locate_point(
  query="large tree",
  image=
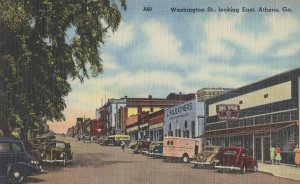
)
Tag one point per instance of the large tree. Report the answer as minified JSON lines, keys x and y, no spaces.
{"x":43,"y":44}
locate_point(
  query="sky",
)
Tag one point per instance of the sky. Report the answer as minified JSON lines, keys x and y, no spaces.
{"x":159,"y":52}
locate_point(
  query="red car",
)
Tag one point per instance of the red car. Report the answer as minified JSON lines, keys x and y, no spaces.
{"x":236,"y":158}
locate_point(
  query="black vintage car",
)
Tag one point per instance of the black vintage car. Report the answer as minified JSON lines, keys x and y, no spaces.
{"x":15,"y":162}
{"x":57,"y":152}
{"x":141,"y":147}
{"x":155,"y":149}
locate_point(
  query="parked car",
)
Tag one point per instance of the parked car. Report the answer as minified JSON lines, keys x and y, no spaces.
{"x":57,"y":152}
{"x":142,"y":146}
{"x":236,"y":158}
{"x":155,"y":149}
{"x":208,"y":157}
{"x":132,"y":145}
{"x":94,"y":139}
{"x":15,"y":162}
{"x":87,"y":139}
{"x":102,"y":140}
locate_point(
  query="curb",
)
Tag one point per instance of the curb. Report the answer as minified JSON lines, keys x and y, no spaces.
{"x":272,"y":174}
{"x":265,"y":172}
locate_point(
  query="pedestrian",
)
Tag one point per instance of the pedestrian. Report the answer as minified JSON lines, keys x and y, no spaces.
{"x":278,"y":155}
{"x":272,"y":154}
{"x":297,"y":155}
{"x":123,"y":145}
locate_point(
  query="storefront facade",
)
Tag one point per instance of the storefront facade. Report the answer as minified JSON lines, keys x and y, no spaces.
{"x":132,"y":127}
{"x":156,"y":125}
{"x":185,"y":120}
{"x":268,"y":116}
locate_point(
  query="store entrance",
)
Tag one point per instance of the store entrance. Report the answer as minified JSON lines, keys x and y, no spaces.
{"x":261,"y":148}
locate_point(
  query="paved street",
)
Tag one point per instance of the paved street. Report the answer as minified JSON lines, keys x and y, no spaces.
{"x":95,"y":164}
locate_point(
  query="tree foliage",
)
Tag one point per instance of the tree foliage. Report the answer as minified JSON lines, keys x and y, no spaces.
{"x":43,"y":44}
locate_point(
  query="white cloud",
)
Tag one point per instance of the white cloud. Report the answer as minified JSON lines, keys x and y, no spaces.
{"x":109,"y":62}
{"x":163,"y":44}
{"x":123,"y":35}
{"x":288,"y":51}
{"x":222,"y":75}
{"x":221,"y":29}
{"x":144,"y":80}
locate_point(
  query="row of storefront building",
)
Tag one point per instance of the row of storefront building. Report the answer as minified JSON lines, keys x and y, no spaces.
{"x":268,"y":115}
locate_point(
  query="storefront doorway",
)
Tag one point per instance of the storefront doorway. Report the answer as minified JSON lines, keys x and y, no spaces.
{"x":261,"y":148}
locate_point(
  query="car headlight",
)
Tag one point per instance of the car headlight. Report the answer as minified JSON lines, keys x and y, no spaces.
{"x":34,"y":162}
{"x":61,"y":155}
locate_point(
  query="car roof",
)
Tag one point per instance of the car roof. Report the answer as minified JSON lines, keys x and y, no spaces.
{"x":59,"y":141}
{"x":11,"y":139}
{"x":234,"y":148}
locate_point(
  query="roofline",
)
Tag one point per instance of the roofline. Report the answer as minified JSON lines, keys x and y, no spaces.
{"x":278,"y":74}
{"x":261,"y":80}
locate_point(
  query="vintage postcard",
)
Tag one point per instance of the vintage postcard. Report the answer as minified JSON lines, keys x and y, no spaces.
{"x":150,"y":91}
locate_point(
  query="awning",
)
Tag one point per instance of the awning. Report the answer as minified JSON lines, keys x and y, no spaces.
{"x":144,"y":125}
{"x":266,"y":128}
{"x":135,"y":128}
{"x":155,"y":126}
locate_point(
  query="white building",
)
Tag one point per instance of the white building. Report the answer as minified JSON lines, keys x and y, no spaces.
{"x":185,"y":120}
{"x":112,"y":107}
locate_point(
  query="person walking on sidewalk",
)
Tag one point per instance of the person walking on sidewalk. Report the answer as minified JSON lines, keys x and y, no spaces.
{"x":278,"y":155}
{"x":272,"y":154}
{"x":123,"y":145}
{"x":297,"y":155}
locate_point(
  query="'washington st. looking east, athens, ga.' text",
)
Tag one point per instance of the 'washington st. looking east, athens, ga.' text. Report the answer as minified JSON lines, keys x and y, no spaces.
{"x":230,"y":10}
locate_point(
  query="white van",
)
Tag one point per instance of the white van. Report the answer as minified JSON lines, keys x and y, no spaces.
{"x":182,"y":148}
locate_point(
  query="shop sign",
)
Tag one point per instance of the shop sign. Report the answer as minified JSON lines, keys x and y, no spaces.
{"x":228,"y":111}
{"x":180,"y":109}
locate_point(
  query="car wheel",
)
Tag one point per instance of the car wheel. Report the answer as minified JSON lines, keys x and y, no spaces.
{"x":16,"y":174}
{"x":185,"y":158}
{"x":255,"y":167}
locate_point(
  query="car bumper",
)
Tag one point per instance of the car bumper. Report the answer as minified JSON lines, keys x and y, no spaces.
{"x":228,"y":167}
{"x":56,"y":161}
{"x":145,"y":152}
{"x":200,"y":163}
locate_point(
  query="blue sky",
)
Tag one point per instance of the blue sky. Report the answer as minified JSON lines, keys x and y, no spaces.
{"x":159,"y":52}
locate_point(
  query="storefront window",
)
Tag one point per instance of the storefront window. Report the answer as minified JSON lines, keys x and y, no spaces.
{"x":193,"y":129}
{"x":177,"y":132}
{"x":186,"y":133}
{"x":160,"y":134}
{"x":286,"y":138}
{"x":152,"y":137}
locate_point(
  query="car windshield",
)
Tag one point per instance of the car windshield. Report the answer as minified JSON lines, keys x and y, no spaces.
{"x":16,"y":148}
{"x":209,"y":149}
{"x":56,"y":144}
{"x":230,"y":152}
{"x":60,"y":145}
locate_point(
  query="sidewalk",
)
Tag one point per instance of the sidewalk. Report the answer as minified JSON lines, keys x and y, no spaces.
{"x":283,"y":170}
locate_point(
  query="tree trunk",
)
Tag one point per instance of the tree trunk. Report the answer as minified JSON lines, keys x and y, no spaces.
{"x":4,"y":127}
